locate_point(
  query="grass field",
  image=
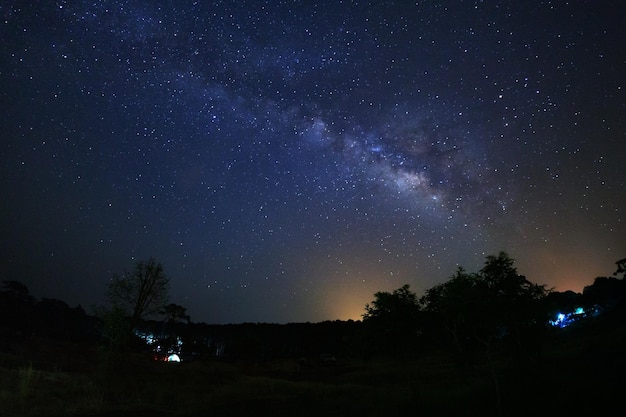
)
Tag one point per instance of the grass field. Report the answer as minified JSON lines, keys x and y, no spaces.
{"x":573,"y":375}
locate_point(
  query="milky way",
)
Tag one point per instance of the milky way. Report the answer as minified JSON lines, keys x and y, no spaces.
{"x":286,"y":160}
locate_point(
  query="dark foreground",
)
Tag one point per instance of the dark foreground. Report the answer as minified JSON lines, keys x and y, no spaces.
{"x":578,"y":372}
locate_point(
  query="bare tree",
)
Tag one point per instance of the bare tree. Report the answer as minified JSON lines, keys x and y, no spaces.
{"x":140,"y":293}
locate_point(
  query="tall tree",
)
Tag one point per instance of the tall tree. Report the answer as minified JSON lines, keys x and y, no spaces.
{"x":140,"y":293}
{"x":511,"y":300}
{"x":454,"y":303}
{"x":486,"y":309}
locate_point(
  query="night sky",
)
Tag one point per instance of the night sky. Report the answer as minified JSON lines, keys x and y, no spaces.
{"x":286,"y":160}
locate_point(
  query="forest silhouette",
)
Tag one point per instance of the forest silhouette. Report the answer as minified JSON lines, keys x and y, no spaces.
{"x":489,"y":343}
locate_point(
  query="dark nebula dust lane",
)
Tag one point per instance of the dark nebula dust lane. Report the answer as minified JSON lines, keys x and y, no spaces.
{"x":286,"y":160}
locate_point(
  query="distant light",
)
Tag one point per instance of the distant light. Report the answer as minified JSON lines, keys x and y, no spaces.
{"x":565,"y":319}
{"x":173,"y":358}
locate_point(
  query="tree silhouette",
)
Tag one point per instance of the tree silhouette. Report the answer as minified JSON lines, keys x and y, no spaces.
{"x":511,"y":301}
{"x":16,"y":290}
{"x":175,"y":313}
{"x":605,"y":292}
{"x":399,"y":304}
{"x":453,"y":303}
{"x":141,"y":293}
{"x":621,"y":268}
{"x":486,"y":309}
{"x":16,"y":307}
{"x":394,"y":318}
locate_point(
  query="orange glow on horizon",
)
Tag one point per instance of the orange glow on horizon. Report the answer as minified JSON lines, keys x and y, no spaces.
{"x":354,"y":284}
{"x":348,"y":306}
{"x":563,"y":273}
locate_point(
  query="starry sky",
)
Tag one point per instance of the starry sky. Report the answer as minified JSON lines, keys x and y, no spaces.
{"x":285,"y":160}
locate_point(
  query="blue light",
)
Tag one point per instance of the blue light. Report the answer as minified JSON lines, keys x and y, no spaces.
{"x":565,"y":319}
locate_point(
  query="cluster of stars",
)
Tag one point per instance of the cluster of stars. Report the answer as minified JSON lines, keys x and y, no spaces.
{"x":280,"y":157}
